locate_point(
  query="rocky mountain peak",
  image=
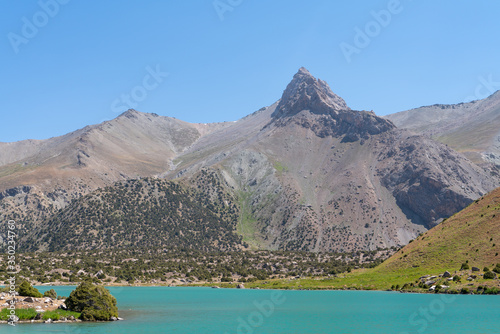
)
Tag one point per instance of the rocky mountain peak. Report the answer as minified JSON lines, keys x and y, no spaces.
{"x":327,"y":113}
{"x":305,"y":92}
{"x":131,"y":113}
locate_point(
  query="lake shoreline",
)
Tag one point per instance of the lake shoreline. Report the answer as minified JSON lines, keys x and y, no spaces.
{"x":270,"y":288}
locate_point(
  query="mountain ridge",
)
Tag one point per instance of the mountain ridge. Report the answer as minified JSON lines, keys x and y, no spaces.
{"x":472,"y":128}
{"x":307,"y":172}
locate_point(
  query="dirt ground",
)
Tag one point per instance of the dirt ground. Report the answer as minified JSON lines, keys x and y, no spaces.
{"x":39,"y":304}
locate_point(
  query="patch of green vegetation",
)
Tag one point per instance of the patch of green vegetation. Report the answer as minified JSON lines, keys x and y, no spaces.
{"x":94,"y":302}
{"x":58,"y":314}
{"x":50,"y":293}
{"x":279,"y":167}
{"x":27,"y":290}
{"x":22,"y":314}
{"x":247,"y":224}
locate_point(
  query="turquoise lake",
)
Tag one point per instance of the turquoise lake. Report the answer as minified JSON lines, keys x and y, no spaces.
{"x":206,"y":310}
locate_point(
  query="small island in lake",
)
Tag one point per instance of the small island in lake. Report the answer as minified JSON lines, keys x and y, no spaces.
{"x":88,"y":302}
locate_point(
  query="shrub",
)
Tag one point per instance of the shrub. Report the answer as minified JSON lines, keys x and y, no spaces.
{"x":464,"y":266}
{"x":497,"y":268}
{"x":456,"y":278}
{"x":491,"y":291}
{"x":464,"y":291}
{"x":93,"y":302}
{"x":489,"y":275}
{"x":486,"y":269}
{"x":27,"y":290}
{"x":50,"y":293}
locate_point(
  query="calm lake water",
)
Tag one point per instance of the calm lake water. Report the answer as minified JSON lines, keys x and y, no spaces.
{"x":206,"y":310}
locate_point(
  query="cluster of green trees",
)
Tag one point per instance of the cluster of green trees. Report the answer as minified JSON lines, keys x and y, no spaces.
{"x":148,"y":213}
{"x":145,"y":265}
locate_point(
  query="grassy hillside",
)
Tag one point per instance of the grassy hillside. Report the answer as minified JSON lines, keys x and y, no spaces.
{"x":471,"y":236}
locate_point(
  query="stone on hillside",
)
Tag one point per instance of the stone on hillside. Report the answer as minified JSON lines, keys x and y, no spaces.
{"x":240,"y":286}
{"x":29,"y":300}
{"x":446,"y":274}
{"x":429,"y":283}
{"x":475,"y":269}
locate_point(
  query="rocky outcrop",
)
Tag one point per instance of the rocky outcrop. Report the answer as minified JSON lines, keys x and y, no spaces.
{"x":12,"y":192}
{"x":310,"y":103}
{"x":429,"y":181}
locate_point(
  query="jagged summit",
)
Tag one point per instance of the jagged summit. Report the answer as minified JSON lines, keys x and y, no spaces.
{"x":130,"y":113}
{"x":310,"y":103}
{"x":305,"y":92}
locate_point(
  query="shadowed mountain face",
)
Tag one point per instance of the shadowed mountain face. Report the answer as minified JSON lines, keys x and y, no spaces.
{"x":307,"y":172}
{"x":470,"y":128}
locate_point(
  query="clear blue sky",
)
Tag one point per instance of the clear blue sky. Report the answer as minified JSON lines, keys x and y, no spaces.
{"x":86,"y":55}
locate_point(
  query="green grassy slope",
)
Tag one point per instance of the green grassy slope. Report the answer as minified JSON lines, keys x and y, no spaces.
{"x":472,"y":236}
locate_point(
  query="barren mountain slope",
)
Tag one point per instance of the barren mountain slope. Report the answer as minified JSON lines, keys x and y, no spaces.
{"x":313,"y":174}
{"x":470,"y":128}
{"x":307,"y":172}
{"x":38,"y":177}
